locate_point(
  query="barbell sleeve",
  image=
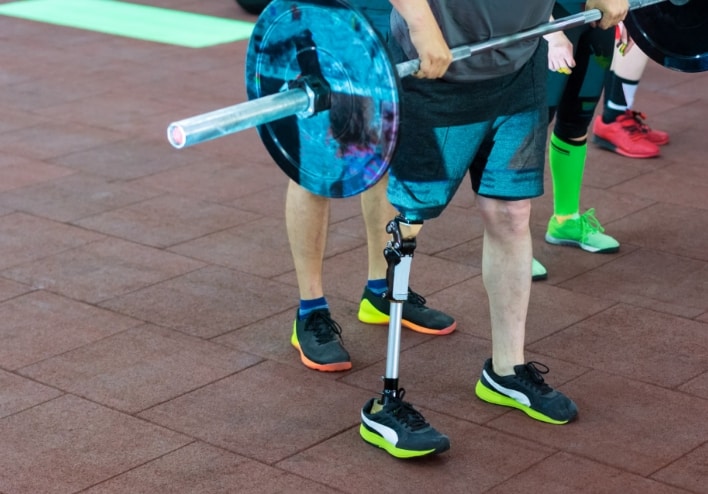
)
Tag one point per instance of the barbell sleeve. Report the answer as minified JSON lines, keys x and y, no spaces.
{"x":232,"y":119}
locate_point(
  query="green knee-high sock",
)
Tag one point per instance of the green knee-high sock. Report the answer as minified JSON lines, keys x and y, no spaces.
{"x":567,"y":162}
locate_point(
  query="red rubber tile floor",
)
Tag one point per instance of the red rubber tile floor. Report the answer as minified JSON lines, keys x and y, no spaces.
{"x":147,"y":296}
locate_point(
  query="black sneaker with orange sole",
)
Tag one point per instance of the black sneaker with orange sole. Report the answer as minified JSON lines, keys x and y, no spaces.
{"x":318,"y":338}
{"x":375,"y":309}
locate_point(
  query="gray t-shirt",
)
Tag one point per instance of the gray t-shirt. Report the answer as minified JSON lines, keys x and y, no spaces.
{"x":469,"y":21}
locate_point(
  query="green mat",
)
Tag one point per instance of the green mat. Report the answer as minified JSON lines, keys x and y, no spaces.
{"x":133,"y":21}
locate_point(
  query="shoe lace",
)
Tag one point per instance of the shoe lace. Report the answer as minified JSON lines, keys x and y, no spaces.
{"x":535,"y":372}
{"x":639,"y":118}
{"x":405,"y":412}
{"x":633,"y":125}
{"x":416,"y":299}
{"x":323,"y":326}
{"x":590,"y":224}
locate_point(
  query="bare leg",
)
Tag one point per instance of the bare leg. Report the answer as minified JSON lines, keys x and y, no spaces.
{"x":506,"y":263}
{"x":377,"y":212}
{"x":307,"y":220}
{"x":631,"y":64}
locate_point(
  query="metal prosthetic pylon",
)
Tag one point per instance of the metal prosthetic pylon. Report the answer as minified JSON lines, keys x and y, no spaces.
{"x":399,"y":255}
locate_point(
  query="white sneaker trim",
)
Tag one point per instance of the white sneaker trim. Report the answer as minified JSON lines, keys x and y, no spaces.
{"x":511,"y":393}
{"x":386,"y":432}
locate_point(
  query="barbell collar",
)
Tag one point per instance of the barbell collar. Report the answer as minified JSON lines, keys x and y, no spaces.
{"x":235,"y":118}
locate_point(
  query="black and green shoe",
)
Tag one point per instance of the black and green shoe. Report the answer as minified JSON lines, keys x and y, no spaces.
{"x":318,"y":338}
{"x":527,"y":391}
{"x":400,"y":429}
{"x":375,"y":309}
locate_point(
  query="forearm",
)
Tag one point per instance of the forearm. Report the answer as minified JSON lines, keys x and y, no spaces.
{"x":416,"y":13}
{"x":426,"y":36}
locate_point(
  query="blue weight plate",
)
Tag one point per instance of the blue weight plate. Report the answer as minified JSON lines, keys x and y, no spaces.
{"x":675,"y":36}
{"x":342,"y":151}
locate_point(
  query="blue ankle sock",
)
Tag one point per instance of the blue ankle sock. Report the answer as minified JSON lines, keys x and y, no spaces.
{"x":379,"y":287}
{"x":307,"y":306}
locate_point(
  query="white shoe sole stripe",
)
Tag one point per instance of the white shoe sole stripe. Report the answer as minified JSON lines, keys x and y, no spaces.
{"x":511,"y":393}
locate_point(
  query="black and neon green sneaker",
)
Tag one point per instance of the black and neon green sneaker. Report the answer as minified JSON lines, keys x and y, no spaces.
{"x":527,"y":391}
{"x":319,"y":339}
{"x":400,"y":429}
{"x":538,"y":271}
{"x":375,"y":309}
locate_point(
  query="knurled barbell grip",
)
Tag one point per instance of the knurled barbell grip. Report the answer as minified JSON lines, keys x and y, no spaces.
{"x":410,"y":67}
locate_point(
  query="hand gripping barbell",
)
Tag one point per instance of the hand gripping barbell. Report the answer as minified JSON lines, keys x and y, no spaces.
{"x":325,"y":96}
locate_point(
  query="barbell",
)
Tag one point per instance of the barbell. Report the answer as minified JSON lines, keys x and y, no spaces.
{"x":324,"y":93}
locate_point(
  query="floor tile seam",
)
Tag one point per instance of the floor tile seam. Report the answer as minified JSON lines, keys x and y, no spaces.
{"x":249,"y":324}
{"x":139,"y":413}
{"x":117,"y":136}
{"x":141,"y":324}
{"x":19,"y":370}
{"x":626,"y":377}
{"x":674,"y":254}
{"x":522,"y":472}
{"x":135,"y":467}
{"x":622,"y":300}
{"x":98,"y":303}
{"x":165,"y":194}
{"x":217,"y":230}
{"x":19,"y":295}
{"x":324,"y":439}
{"x":656,"y":472}
{"x":137,"y":324}
{"x":34,"y":405}
{"x":571,"y":452}
{"x":639,"y":302}
{"x":665,"y":313}
{"x":76,"y":172}
{"x":613,"y":303}
{"x":655,"y":202}
{"x":133,"y":413}
{"x":436,"y":253}
{"x":54,"y":253}
{"x":607,"y":259}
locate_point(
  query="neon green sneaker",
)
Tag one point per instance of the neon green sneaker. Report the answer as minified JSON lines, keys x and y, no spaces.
{"x":538,"y":271}
{"x":584,"y":231}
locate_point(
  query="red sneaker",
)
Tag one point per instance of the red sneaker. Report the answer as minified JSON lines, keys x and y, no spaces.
{"x":658,"y":137}
{"x":624,"y":136}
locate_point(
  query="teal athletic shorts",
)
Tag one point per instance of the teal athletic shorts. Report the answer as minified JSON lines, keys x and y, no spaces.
{"x":495,"y":129}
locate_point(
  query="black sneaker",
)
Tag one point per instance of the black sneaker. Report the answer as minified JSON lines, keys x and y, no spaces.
{"x":319,"y":340}
{"x":526,"y":391}
{"x":400,"y":429}
{"x":375,"y":309}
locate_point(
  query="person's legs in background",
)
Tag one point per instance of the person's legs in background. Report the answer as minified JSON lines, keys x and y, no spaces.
{"x":572,"y":100}
{"x":621,"y":128}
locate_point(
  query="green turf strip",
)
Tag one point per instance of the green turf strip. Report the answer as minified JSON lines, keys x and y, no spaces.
{"x":133,"y":21}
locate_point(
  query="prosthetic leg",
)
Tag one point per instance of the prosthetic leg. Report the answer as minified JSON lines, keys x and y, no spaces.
{"x":399,"y":255}
{"x":389,"y":422}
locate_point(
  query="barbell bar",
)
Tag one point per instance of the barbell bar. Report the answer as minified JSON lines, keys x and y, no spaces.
{"x":324,"y":94}
{"x":299,"y":101}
